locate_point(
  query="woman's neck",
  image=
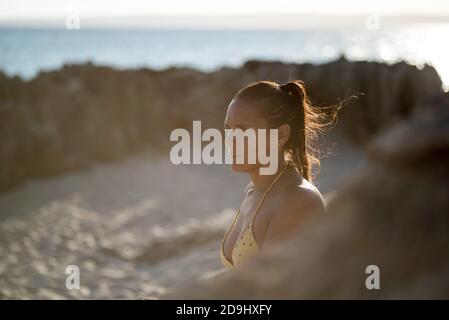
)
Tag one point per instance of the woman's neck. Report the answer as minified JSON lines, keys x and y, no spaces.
{"x":262,"y":182}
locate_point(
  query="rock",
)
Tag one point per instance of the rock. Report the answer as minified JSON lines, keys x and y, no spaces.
{"x":70,"y":118}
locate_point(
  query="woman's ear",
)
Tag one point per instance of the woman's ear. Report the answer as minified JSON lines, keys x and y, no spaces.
{"x":283,"y":134}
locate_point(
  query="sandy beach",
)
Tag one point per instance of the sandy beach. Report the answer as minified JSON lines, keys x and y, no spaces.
{"x":136,"y":227}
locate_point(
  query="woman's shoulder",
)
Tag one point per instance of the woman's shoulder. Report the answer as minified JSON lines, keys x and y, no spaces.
{"x":308,"y":189}
{"x":301,"y":194}
{"x":296,"y":202}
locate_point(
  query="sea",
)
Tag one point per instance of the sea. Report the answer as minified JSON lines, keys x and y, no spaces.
{"x":27,"y":51}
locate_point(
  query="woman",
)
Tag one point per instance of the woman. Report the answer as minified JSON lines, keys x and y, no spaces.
{"x":274,"y":205}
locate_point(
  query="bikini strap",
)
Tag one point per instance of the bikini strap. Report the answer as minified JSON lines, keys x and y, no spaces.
{"x":264,"y":196}
{"x":226,"y":236}
{"x":255,"y":213}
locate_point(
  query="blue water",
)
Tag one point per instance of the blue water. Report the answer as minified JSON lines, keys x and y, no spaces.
{"x":25,"y":52}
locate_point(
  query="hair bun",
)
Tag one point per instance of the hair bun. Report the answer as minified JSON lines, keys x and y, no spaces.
{"x":294,"y":87}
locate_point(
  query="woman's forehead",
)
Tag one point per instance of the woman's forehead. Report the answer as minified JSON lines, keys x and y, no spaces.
{"x":241,"y":113}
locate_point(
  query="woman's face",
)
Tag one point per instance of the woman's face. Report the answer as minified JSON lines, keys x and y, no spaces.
{"x":242,"y":115}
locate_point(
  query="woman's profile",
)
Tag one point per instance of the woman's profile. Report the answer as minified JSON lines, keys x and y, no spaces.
{"x":274,"y":206}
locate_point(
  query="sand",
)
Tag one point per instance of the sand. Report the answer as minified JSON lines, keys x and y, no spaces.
{"x":138,"y":227}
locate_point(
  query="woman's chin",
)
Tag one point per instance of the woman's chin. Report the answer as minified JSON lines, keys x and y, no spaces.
{"x":242,"y":167}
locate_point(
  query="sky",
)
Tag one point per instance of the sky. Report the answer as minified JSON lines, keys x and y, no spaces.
{"x":98,"y":11}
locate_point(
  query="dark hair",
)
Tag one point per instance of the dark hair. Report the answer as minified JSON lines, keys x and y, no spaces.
{"x":288,"y":103}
